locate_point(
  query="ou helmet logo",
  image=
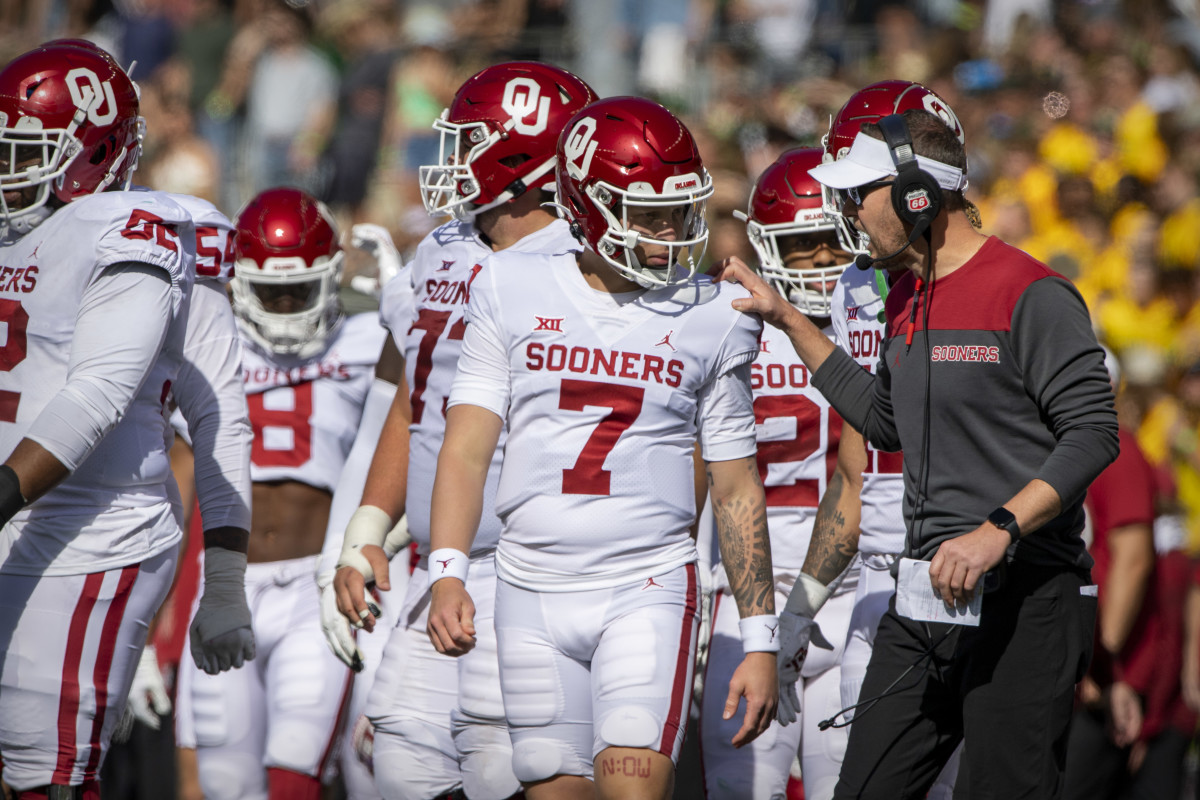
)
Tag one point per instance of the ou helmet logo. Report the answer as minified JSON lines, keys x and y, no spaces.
{"x":580,"y":146}
{"x":522,"y":97}
{"x":91,"y":95}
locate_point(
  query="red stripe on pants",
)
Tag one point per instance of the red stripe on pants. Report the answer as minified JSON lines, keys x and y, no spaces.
{"x":104,"y":659}
{"x":716,"y":609}
{"x":334,"y":738}
{"x":681,"y":692}
{"x":68,"y":701}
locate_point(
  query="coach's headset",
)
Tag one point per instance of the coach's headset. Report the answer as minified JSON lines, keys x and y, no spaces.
{"x":916,"y":195}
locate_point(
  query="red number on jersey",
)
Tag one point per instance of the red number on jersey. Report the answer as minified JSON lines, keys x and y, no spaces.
{"x":143,"y":225}
{"x":589,"y":476}
{"x":287,"y":423}
{"x":210,"y":256}
{"x":16,"y":320}
{"x":804,"y":493}
{"x":432,"y":323}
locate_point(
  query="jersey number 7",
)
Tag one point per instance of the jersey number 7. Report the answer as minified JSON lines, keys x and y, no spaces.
{"x":589,"y":476}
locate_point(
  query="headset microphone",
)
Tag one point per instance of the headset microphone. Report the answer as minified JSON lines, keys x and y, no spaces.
{"x":865,"y":262}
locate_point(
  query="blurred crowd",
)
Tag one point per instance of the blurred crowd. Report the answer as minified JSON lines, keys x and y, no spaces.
{"x":1082,"y":121}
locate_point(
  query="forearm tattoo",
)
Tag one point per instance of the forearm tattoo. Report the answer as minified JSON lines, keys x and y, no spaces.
{"x":745,"y":547}
{"x":833,"y":545}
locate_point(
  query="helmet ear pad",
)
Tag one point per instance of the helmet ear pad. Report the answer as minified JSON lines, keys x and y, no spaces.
{"x":916,"y":195}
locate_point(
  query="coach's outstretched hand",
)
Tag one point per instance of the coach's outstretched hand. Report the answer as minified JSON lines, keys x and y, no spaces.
{"x":763,"y":300}
{"x":451,"y":617}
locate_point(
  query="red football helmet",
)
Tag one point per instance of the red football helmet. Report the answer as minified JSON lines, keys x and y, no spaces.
{"x":498,"y":136}
{"x":626,"y":154}
{"x":786,"y":204}
{"x":288,"y":268}
{"x":69,"y":125}
{"x":871,"y":104}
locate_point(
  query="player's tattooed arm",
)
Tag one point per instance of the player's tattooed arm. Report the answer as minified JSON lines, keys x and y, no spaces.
{"x":740,"y":511}
{"x":836,"y":527}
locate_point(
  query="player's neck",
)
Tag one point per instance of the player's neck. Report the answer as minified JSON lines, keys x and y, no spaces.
{"x":507,"y":224}
{"x":603,"y":278}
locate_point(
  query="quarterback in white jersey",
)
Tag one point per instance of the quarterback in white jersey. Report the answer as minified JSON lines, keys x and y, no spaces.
{"x":607,"y":366}
{"x":439,"y":722}
{"x":267,"y":730}
{"x":798,"y":440}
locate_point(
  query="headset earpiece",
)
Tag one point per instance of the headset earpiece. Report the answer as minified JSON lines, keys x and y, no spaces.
{"x":916,"y":196}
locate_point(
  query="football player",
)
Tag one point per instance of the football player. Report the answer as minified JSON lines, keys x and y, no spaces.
{"x":267,"y":730}
{"x":608,"y":362}
{"x":799,"y":252}
{"x":95,"y":304}
{"x":439,"y":723}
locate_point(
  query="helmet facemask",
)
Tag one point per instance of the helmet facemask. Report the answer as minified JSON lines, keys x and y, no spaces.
{"x":32,"y":158}
{"x":451,"y":186}
{"x":685,"y":196}
{"x":309,"y":295}
{"x":809,"y":289}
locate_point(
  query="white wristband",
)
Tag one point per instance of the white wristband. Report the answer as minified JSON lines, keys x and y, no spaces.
{"x":446,"y":562}
{"x":759,"y":634}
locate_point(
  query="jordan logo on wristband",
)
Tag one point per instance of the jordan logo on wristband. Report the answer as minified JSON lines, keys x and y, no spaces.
{"x":445,"y":564}
{"x":772,"y":630}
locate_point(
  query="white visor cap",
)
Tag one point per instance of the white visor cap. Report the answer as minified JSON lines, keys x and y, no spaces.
{"x":870,"y":159}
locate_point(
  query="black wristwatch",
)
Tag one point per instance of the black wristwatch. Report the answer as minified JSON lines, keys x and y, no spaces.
{"x":1004,"y":519}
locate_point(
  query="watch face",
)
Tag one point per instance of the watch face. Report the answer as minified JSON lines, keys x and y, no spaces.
{"x":1002,"y":517}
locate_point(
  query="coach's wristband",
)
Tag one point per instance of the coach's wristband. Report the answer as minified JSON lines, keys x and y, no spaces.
{"x":759,"y":634}
{"x":446,"y":562}
{"x":11,"y":499}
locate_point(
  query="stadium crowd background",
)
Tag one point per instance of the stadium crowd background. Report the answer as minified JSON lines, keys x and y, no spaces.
{"x":1083,"y":121}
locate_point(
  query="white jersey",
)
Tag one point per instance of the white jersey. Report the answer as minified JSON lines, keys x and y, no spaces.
{"x":305,"y":412}
{"x":798,"y":434}
{"x":859,"y":328}
{"x":445,"y":264}
{"x":605,"y":397}
{"x":397,"y":304}
{"x":113,"y":510}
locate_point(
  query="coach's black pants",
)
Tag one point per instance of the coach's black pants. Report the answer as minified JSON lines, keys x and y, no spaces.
{"x":1005,"y":688}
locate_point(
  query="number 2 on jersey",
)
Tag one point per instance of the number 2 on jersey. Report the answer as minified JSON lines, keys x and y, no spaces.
{"x":589,"y":476}
{"x":801,"y":493}
{"x":16,"y":320}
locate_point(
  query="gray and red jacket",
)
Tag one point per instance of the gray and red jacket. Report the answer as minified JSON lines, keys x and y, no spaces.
{"x":1014,"y":387}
